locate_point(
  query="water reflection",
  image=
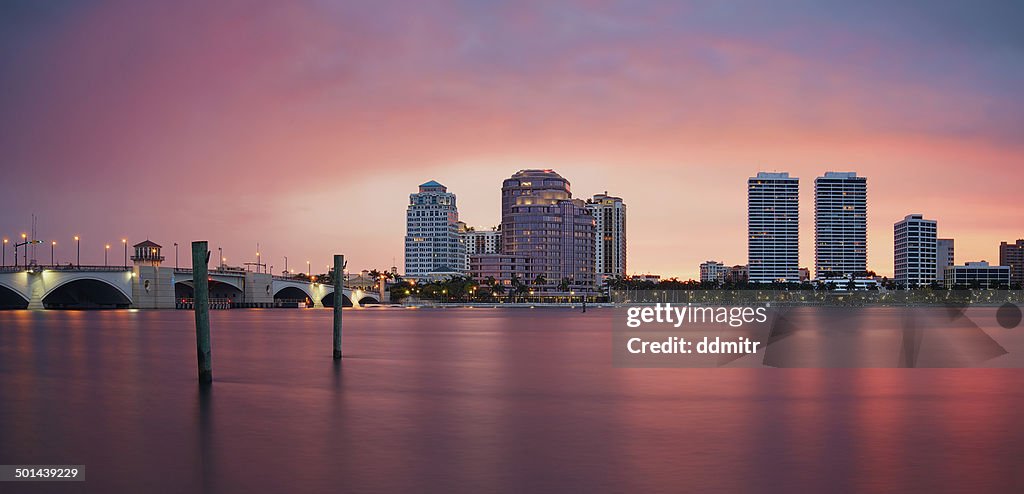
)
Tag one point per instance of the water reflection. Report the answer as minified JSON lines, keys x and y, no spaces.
{"x":477,"y":400}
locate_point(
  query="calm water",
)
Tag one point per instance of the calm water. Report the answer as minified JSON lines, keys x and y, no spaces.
{"x":474,"y":400}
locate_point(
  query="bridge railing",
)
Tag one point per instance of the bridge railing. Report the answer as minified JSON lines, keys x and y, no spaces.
{"x":212,"y":271}
{"x":215,"y":303}
{"x":63,"y":267}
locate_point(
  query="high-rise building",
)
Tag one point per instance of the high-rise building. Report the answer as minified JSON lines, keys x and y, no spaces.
{"x":609,"y":236}
{"x":773,"y":207}
{"x":840,"y":225}
{"x":540,"y":221}
{"x":915,"y":251}
{"x":483,"y":241}
{"x":944,"y":257}
{"x":1012,"y":255}
{"x":480,"y":242}
{"x":433,"y":243}
{"x":713,"y":271}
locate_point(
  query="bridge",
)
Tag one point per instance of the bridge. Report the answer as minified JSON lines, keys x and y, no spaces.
{"x":156,"y":287}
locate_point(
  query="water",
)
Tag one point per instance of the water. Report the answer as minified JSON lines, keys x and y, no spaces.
{"x":473,"y":400}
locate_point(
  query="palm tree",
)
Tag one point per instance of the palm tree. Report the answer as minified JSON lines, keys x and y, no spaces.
{"x":516,"y":284}
{"x":540,"y":280}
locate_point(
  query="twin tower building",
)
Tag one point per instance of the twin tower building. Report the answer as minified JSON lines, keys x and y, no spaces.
{"x":546,"y":240}
{"x":840,"y":226}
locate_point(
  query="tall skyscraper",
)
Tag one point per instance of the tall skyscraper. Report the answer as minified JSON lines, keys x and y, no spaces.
{"x":1012,"y":255}
{"x":541,"y":222}
{"x":773,"y":208}
{"x":915,"y":251}
{"x":609,"y":236}
{"x":840,"y":224}
{"x":433,"y":243}
{"x":944,"y":257}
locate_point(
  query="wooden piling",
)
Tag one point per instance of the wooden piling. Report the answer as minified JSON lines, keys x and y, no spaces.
{"x":201,"y":305}
{"x":339,"y":297}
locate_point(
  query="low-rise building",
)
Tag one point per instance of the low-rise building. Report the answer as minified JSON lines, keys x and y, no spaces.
{"x":977,"y":275}
{"x":713,"y":271}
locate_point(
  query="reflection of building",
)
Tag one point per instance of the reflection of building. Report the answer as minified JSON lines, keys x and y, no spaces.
{"x":840,"y":224}
{"x":433,"y":243}
{"x":915,"y":250}
{"x":713,"y":271}
{"x":773,"y":227}
{"x":943,"y":257}
{"x":609,"y":235}
{"x":542,"y":223}
{"x":1012,"y":255}
{"x":977,"y":274}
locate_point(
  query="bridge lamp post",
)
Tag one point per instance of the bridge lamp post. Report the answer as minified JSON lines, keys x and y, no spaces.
{"x":220,"y":250}
{"x":24,"y":241}
{"x":106,"y":250}
{"x":5,"y":252}
{"x":175,"y":255}
{"x":125,"y":242}
{"x":285,"y":265}
{"x":52,"y":245}
{"x":309,"y":269}
{"x":78,"y":252}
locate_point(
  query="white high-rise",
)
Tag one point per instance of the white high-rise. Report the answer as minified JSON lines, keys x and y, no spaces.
{"x":773,"y":214}
{"x":609,"y":235}
{"x":915,"y":251}
{"x":433,"y":243}
{"x":840,"y":225}
{"x":481,"y":242}
{"x":944,"y":257}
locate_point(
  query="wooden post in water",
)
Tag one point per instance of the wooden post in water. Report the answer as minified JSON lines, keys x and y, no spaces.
{"x":339,"y":297}
{"x":201,"y":305}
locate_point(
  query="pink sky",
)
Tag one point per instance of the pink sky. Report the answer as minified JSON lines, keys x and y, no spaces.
{"x":304,"y":127}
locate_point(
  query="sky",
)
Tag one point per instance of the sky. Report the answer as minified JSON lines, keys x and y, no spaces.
{"x":304,"y":125}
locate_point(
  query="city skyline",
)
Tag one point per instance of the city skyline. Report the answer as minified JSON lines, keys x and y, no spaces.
{"x":299,"y":127}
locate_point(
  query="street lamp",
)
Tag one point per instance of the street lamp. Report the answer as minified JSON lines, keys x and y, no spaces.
{"x":52,"y":245}
{"x":309,"y":269}
{"x":5,"y":252}
{"x":125,"y":242}
{"x":175,"y":255}
{"x":78,"y":252}
{"x":285,"y":265}
{"x":24,"y":241}
{"x":220,"y":250}
{"x":105,"y":251}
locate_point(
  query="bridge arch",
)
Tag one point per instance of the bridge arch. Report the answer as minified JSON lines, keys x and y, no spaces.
{"x":184,"y":289}
{"x":293,"y":294}
{"x":368,"y":300}
{"x":328,"y":300}
{"x":11,"y":298}
{"x":86,"y":293}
